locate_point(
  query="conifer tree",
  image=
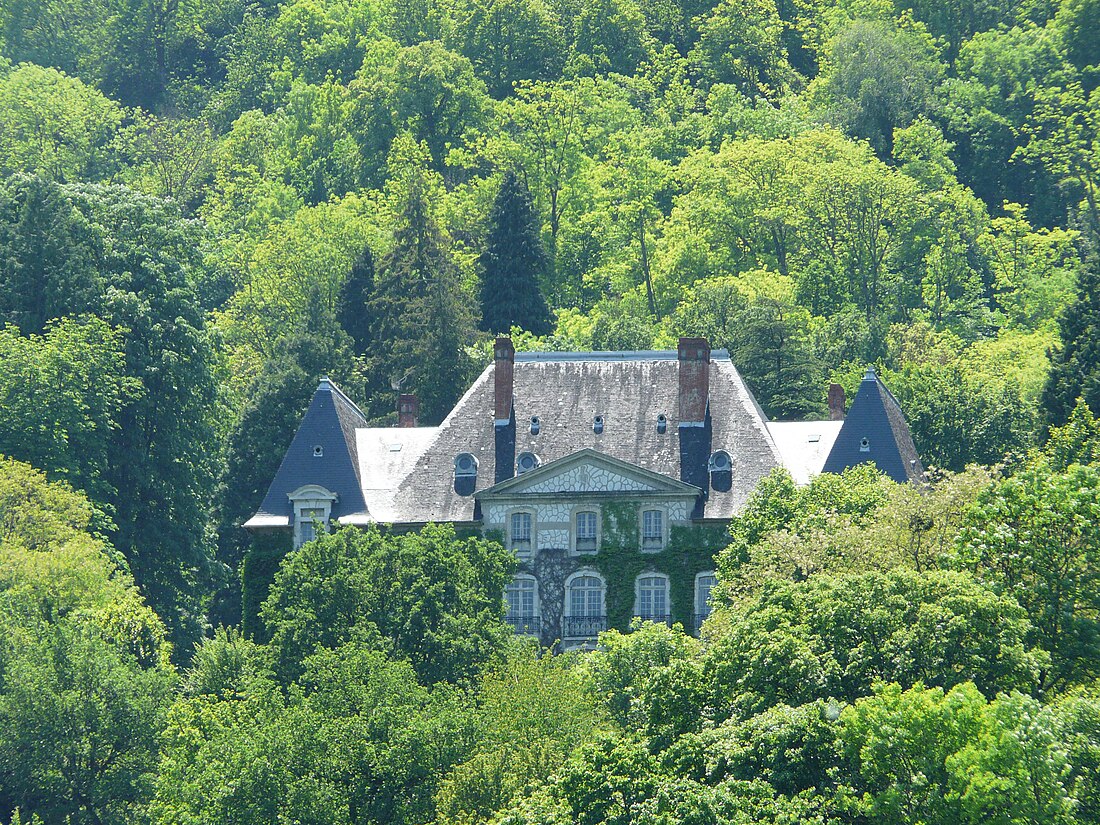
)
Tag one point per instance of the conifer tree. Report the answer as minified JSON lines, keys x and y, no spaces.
{"x":1075,"y":366}
{"x":512,"y":263}
{"x":420,"y":318}
{"x":355,"y":294}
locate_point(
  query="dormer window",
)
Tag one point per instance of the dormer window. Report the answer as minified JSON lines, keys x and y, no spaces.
{"x":465,"y":473}
{"x":864,"y":445}
{"x":720,"y":468}
{"x":526,"y":462}
{"x":312,"y":507}
{"x":535,"y":425}
{"x":597,"y":424}
{"x":662,"y":424}
{"x":318,"y":451}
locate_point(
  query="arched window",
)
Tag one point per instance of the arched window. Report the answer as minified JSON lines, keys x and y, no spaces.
{"x":526,"y":462}
{"x":521,"y":533}
{"x":521,"y":595}
{"x":651,"y":598}
{"x":312,"y":505}
{"x":585,"y":616}
{"x":704,"y":584}
{"x":597,"y":425}
{"x":720,"y":467}
{"x":662,"y":424}
{"x":535,"y":425}
{"x":465,"y":473}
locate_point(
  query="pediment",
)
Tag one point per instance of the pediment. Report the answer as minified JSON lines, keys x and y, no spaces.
{"x":591,"y":473}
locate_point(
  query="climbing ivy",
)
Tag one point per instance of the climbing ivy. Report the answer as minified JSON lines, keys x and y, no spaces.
{"x":690,"y":550}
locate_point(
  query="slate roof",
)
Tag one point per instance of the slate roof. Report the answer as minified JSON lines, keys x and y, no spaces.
{"x":876,"y":416}
{"x":566,"y":391}
{"x":406,"y":475}
{"x":331,"y":422}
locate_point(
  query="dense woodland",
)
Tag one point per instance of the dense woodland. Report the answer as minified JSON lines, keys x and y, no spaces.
{"x":205,"y":205}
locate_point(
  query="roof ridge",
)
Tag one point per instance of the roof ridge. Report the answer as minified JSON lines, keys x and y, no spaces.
{"x":537,"y":356}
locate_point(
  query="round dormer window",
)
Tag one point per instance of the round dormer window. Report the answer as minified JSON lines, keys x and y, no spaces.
{"x":720,"y":462}
{"x":662,"y":423}
{"x":525,"y":462}
{"x":318,"y":451}
{"x":864,"y":445}
{"x":465,"y":465}
{"x":597,"y":424}
{"x":535,"y":425}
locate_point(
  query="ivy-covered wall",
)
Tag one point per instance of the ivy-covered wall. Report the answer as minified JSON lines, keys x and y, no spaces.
{"x":620,"y":560}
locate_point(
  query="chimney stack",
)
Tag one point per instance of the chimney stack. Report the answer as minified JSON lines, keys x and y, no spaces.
{"x":504,"y":356}
{"x":408,"y":410}
{"x":694,"y":357}
{"x":837,"y":403}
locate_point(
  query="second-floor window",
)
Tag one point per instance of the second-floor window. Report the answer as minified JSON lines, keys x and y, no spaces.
{"x":653,"y":530}
{"x":520,"y":532}
{"x":586,"y":532}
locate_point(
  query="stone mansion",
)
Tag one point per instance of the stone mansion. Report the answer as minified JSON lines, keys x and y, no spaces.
{"x":611,"y":475}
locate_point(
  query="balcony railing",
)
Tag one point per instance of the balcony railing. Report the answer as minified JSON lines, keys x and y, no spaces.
{"x":528,"y":625}
{"x":656,"y":619}
{"x":583,"y":627}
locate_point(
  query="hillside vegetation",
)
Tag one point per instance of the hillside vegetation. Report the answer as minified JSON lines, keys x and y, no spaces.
{"x":205,"y":205}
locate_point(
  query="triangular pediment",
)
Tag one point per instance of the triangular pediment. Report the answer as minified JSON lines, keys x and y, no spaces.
{"x":588,"y":472}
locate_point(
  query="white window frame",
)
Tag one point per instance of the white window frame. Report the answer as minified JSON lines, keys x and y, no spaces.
{"x":639,"y":606}
{"x":523,"y":552}
{"x":574,"y":531}
{"x":703,"y":606}
{"x":571,"y":586}
{"x":515,"y":620}
{"x":313,"y":499}
{"x":662,"y":539}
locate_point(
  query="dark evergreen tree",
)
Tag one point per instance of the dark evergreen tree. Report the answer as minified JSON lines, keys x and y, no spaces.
{"x":355,"y":295}
{"x":1075,"y":365}
{"x":420,"y":319}
{"x":512,"y":264}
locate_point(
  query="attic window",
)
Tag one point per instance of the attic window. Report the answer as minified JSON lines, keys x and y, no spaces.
{"x":318,"y":451}
{"x":465,"y":465}
{"x":720,"y":462}
{"x":864,"y":445}
{"x":597,"y":424}
{"x":662,"y":424}
{"x":465,"y":474}
{"x":534,"y":425}
{"x":525,"y":462}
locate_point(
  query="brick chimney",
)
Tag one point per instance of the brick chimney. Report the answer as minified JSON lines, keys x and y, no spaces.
{"x":837,"y":402}
{"x":408,"y":410}
{"x":504,"y":356}
{"x":694,"y":357}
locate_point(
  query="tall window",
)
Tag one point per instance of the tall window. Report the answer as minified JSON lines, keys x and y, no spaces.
{"x":584,"y":617}
{"x":520,"y":532}
{"x":308,"y":519}
{"x":653,"y":532}
{"x":704,"y":584}
{"x":519,"y":595}
{"x":653,"y":598}
{"x":586,"y":532}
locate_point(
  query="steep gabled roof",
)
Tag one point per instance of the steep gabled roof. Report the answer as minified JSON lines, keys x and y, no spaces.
{"x":875,"y":430}
{"x":330,"y":424}
{"x":566,"y":391}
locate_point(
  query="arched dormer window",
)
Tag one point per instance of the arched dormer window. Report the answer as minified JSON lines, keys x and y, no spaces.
{"x":526,"y":462}
{"x":465,"y":473}
{"x":720,"y":468}
{"x":312,"y":505}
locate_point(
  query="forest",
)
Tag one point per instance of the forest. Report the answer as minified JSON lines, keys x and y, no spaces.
{"x":206,"y":205}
